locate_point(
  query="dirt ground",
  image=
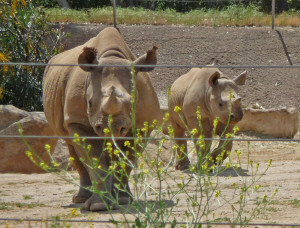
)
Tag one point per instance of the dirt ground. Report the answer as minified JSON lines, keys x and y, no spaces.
{"x":183,"y":45}
{"x":46,"y":196}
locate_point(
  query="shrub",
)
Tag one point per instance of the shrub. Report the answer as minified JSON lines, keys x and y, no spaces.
{"x":25,"y":37}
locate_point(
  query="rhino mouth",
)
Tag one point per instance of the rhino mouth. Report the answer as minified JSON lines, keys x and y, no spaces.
{"x":118,"y":128}
{"x":236,"y":118}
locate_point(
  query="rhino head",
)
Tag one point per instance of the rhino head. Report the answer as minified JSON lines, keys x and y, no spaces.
{"x":108,"y":89}
{"x":224,"y":100}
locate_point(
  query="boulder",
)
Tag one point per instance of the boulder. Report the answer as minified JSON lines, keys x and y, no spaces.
{"x":279,"y":123}
{"x":12,"y":150}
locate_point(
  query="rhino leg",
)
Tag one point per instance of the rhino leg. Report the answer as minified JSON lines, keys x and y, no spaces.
{"x":204,"y":129}
{"x":123,"y":194}
{"x":83,"y":194}
{"x":183,"y":160}
{"x":222,"y":130}
{"x":97,"y":176}
{"x":97,"y":203}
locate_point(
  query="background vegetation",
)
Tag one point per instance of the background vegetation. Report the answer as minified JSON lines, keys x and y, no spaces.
{"x":230,"y":16}
{"x":25,"y":37}
{"x":177,"y":5}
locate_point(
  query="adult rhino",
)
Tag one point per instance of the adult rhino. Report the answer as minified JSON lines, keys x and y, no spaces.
{"x":80,"y":100}
{"x":208,"y":89}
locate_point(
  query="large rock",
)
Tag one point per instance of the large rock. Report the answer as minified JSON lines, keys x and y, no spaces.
{"x":280,"y":123}
{"x":12,"y":150}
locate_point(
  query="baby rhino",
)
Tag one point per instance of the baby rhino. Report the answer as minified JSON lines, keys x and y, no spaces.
{"x":216,"y":96}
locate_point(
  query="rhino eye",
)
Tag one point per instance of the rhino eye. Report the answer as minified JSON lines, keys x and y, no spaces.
{"x":220,"y":104}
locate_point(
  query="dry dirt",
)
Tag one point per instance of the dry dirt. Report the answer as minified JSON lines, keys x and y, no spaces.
{"x":45,"y":195}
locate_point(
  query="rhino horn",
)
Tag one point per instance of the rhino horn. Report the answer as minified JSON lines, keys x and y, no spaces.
{"x":113,"y":104}
{"x":238,"y":101}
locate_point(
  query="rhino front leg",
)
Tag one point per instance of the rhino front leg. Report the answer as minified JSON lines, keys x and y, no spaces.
{"x":224,"y":146}
{"x":98,"y":176}
{"x":122,"y":194}
{"x":204,"y":128}
{"x":120,"y":187}
{"x":83,"y":194}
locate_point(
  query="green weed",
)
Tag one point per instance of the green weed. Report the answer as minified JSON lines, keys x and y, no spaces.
{"x":295,"y":202}
{"x":27,"y":197}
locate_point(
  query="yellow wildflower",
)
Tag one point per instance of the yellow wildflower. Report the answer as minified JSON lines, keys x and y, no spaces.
{"x":4,"y":59}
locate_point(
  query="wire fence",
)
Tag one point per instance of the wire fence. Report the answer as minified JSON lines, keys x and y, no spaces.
{"x":150,"y":138}
{"x":156,"y":66}
{"x":151,"y":66}
{"x":133,"y":222}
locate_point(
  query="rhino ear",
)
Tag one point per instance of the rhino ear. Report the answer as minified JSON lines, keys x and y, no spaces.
{"x":88,"y":56}
{"x":213,"y":79}
{"x":147,"y":59}
{"x":240,"y":80}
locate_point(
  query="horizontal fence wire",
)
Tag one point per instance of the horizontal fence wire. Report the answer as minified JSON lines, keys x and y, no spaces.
{"x":150,"y":138}
{"x":202,"y":1}
{"x":133,"y":222}
{"x":192,"y":1}
{"x":151,"y":66}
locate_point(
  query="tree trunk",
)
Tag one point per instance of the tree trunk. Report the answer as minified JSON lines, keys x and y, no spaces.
{"x":118,"y":2}
{"x":63,"y":4}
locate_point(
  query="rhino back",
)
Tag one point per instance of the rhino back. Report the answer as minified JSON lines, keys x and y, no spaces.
{"x":197,"y":93}
{"x":64,"y":87}
{"x":55,"y":81}
{"x":111,"y":39}
{"x":188,"y":92}
{"x":147,"y":108}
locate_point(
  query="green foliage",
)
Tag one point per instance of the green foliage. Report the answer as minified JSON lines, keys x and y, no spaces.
{"x":44,"y":3}
{"x":280,"y":5}
{"x":75,"y":4}
{"x":293,"y":4}
{"x":25,"y":37}
{"x":79,"y":4}
{"x":176,"y":5}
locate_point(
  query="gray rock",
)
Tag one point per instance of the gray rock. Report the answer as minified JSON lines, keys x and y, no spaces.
{"x":12,"y":150}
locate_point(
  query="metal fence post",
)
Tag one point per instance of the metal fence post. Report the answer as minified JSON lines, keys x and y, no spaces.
{"x":115,"y":14}
{"x":273,"y":13}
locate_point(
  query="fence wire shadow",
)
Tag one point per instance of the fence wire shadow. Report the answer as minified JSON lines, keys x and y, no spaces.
{"x":224,"y":172}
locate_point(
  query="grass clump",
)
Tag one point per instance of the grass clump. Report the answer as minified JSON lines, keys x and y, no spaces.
{"x":232,"y":15}
{"x":27,"y":197}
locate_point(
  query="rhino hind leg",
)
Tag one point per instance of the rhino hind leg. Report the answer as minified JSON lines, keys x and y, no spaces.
{"x":83,"y":194}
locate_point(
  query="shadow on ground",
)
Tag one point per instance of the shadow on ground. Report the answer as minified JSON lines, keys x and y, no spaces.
{"x":137,"y":206}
